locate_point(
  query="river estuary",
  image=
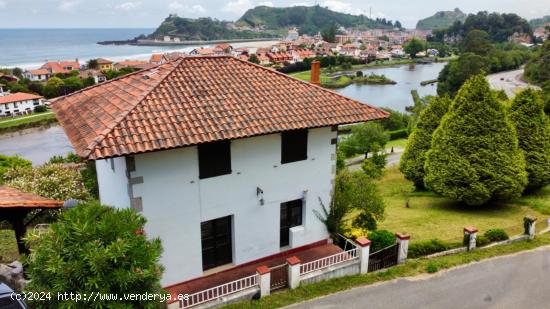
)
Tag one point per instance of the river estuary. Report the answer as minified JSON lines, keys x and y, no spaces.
{"x":38,"y":145}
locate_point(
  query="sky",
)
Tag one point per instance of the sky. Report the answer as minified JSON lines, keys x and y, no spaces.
{"x":150,"y":13}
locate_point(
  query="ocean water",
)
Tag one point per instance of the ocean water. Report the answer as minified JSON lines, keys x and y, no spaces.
{"x":30,"y":48}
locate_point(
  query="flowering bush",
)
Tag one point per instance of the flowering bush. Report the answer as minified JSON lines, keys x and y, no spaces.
{"x":51,"y":180}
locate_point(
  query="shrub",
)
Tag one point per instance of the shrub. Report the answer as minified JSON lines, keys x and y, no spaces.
{"x":95,"y":248}
{"x":380,"y":240}
{"x":51,"y":180}
{"x":9,"y":162}
{"x":474,"y":156}
{"x":533,"y":130}
{"x":496,"y":235}
{"x":432,"y":268}
{"x":398,"y":134}
{"x":427,"y":247}
{"x":482,"y":241}
{"x":414,"y":157}
{"x":371,"y":169}
{"x":40,"y":109}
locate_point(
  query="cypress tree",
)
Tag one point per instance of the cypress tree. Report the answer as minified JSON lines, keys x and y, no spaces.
{"x":414,"y":157}
{"x":475,"y":155}
{"x":533,"y":130}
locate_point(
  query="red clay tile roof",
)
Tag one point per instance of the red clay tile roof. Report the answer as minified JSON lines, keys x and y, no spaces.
{"x":14,"y":198}
{"x":195,"y":100}
{"x":103,"y":61}
{"x":18,"y":96}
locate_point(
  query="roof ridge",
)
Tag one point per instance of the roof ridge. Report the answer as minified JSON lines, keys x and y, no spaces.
{"x":307,"y":83}
{"x":106,"y":132}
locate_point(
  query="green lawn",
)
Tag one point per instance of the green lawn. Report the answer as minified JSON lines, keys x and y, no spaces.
{"x":430,"y":216}
{"x":401,"y":143}
{"x":8,"y":246}
{"x":11,"y":124}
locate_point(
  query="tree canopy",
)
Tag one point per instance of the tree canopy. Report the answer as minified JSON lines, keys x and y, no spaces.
{"x":537,"y":69}
{"x":414,"y":157}
{"x":533,"y":130}
{"x":414,"y":46}
{"x":474,"y":156}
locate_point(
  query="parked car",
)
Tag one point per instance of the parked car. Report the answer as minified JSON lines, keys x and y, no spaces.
{"x":7,"y":301}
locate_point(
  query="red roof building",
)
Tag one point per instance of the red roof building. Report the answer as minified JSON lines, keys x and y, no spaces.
{"x":63,"y":67}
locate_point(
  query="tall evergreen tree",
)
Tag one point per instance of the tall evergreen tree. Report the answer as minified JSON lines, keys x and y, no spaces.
{"x":475,"y":155}
{"x":533,"y":129}
{"x":414,"y":157}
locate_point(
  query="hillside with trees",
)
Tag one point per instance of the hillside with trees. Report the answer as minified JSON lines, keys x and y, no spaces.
{"x":308,"y":19}
{"x":441,"y":20}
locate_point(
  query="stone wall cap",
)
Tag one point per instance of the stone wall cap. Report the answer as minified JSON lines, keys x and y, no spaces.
{"x":362,"y":241}
{"x":402,"y":236}
{"x":262,"y":270}
{"x":470,"y":229}
{"x":293,"y":260}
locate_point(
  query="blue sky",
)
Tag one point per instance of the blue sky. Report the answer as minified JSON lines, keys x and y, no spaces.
{"x":149,"y":13}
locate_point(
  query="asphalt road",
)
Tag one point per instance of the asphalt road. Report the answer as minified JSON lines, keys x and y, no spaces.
{"x":509,"y":81}
{"x":516,"y":281}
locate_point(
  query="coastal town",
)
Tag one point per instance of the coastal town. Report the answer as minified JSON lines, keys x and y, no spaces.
{"x":295,"y":156}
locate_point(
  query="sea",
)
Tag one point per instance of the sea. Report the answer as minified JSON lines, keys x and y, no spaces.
{"x":30,"y":48}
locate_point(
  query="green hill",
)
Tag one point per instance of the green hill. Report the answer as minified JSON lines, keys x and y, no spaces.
{"x":206,"y":29}
{"x":308,"y":19}
{"x":441,"y":20}
{"x":539,"y":22}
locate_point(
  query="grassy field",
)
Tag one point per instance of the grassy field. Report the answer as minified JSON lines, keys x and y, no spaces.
{"x":430,"y":216}
{"x":413,"y":267}
{"x":8,"y":246}
{"x":401,"y":143}
{"x":22,"y":122}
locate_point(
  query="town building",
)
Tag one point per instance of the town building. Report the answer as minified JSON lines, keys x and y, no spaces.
{"x":97,"y":75}
{"x":157,"y":59}
{"x":38,"y":75}
{"x":61,"y":67}
{"x":227,"y":160}
{"x":134,"y":64}
{"x":104,"y":64}
{"x":19,"y":103}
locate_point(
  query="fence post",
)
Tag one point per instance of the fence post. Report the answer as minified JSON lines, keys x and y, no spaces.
{"x":403,"y":243}
{"x":529,"y":224}
{"x":264,"y":280}
{"x":293,"y":271}
{"x":363,"y":248}
{"x":470,"y":236}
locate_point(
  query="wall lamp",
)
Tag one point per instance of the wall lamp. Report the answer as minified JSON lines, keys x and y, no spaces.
{"x":260,"y":195}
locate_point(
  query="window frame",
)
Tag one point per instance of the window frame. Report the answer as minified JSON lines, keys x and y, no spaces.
{"x":214,"y":151}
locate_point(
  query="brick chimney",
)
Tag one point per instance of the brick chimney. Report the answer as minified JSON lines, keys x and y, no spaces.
{"x":315,"y":72}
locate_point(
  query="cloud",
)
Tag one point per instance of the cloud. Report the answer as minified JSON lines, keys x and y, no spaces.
{"x":182,"y":8}
{"x":266,"y":3}
{"x":343,"y":7}
{"x":2,"y":4}
{"x":128,"y":6}
{"x":238,"y":6}
{"x":68,"y":5}
{"x":300,"y":4}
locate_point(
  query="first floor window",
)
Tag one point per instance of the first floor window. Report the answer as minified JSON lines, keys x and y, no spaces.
{"x":291,"y":216}
{"x":217,"y":249}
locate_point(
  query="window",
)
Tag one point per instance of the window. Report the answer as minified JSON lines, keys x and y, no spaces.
{"x":216,"y":243}
{"x":291,"y":216}
{"x":293,"y":146}
{"x":214,"y":159}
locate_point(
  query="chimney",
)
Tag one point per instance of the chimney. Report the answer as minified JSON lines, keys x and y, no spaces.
{"x":315,"y":72}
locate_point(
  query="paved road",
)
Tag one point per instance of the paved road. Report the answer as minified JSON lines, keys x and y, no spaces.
{"x":508,"y":81}
{"x":517,"y":281}
{"x":393,"y":158}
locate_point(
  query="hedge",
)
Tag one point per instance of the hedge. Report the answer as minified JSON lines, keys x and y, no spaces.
{"x":398,"y":134}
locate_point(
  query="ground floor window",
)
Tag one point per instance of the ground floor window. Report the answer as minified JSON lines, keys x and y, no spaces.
{"x":216,"y":243}
{"x":291,"y":216}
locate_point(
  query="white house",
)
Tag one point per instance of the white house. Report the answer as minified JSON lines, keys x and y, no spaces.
{"x":19,"y":103}
{"x":40,"y":75}
{"x":227,"y":160}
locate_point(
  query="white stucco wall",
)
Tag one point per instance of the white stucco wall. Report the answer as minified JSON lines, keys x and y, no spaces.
{"x":175,"y":201}
{"x":19,"y":106}
{"x":113,"y":182}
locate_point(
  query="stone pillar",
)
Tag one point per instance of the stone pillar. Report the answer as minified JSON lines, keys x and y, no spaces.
{"x":529,"y":223}
{"x":403,"y":243}
{"x":470,"y":235}
{"x":264,"y":279}
{"x":363,"y":251}
{"x":293,"y":271}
